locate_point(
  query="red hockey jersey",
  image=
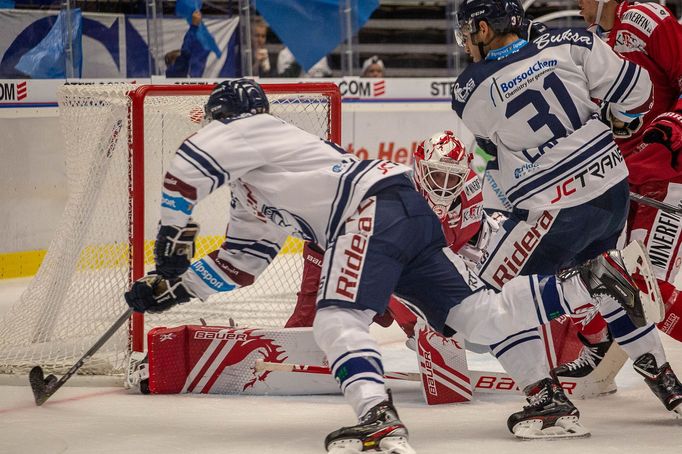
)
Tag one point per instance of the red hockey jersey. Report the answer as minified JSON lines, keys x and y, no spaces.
{"x":464,"y":219}
{"x":649,"y":35}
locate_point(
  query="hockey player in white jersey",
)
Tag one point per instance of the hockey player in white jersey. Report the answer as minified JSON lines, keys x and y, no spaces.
{"x":556,"y":168}
{"x":379,"y":235}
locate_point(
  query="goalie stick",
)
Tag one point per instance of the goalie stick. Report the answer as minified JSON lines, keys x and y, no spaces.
{"x":44,"y":387}
{"x":486,"y":382}
{"x":644,"y":200}
{"x":309,"y":369}
{"x":481,"y":381}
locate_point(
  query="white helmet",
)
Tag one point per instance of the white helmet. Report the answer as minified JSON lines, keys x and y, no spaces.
{"x":441,"y":167}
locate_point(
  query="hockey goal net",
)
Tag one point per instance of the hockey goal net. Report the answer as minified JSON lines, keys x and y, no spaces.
{"x":118,"y":140}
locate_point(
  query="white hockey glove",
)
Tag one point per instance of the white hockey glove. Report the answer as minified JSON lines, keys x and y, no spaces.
{"x":153,"y":293}
{"x":473,"y":252}
{"x":174,"y":249}
{"x":621,"y":125}
{"x":490,"y":224}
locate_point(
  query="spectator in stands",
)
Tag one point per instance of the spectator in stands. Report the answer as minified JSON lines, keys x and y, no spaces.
{"x":287,"y":66}
{"x":373,"y":67}
{"x":189,"y":60}
{"x":261,"y":58}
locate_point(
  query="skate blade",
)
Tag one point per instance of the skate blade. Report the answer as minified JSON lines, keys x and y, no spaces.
{"x":566,"y":427}
{"x":395,"y":445}
{"x":345,"y":447}
{"x":677,"y":411}
{"x":387,"y":445}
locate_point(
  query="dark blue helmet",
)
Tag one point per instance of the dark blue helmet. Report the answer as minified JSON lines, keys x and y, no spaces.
{"x":236,"y":97}
{"x":503,"y":16}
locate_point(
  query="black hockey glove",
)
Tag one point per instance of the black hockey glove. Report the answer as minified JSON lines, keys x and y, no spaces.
{"x":174,"y":249}
{"x":154,"y":294}
{"x":666,"y":129}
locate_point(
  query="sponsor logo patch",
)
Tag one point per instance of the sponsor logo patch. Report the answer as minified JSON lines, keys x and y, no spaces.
{"x":640,"y":21}
{"x":519,"y":246}
{"x":461,"y":93}
{"x":628,"y":42}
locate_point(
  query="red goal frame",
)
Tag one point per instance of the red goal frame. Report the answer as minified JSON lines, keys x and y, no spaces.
{"x":136,"y":162}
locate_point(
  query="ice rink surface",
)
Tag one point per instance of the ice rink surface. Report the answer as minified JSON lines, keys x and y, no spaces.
{"x":113,"y":420}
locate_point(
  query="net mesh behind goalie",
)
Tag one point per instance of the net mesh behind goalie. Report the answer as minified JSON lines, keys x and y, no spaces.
{"x":78,"y":291}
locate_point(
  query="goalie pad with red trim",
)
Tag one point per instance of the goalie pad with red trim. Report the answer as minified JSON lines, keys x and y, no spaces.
{"x":443,"y":367}
{"x":218,"y":360}
{"x":673,"y":311}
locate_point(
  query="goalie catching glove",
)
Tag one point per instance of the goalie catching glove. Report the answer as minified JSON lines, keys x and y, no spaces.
{"x":174,"y":249}
{"x":154,"y":293}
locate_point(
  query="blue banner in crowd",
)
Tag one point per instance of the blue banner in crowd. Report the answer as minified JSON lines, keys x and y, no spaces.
{"x":115,"y":45}
{"x":48,"y":60}
{"x":312,"y":29}
{"x":185,"y":9}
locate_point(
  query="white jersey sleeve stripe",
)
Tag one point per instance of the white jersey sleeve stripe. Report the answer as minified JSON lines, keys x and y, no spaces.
{"x":200,"y":157}
{"x":182,"y":153}
{"x":256,"y":249}
{"x":209,"y":158}
{"x":617,"y":80}
{"x":624,"y":84}
{"x":632,"y":85}
{"x":344,"y":193}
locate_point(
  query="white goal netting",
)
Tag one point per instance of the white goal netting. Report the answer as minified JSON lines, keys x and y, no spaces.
{"x":78,"y":291}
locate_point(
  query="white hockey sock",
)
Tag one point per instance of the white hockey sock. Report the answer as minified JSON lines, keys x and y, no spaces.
{"x":634,"y":341}
{"x":353,"y":355}
{"x":523,"y":356}
{"x":576,"y":296}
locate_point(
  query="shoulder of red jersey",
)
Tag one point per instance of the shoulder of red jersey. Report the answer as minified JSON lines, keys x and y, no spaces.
{"x":642,"y":18}
{"x":635,"y":24}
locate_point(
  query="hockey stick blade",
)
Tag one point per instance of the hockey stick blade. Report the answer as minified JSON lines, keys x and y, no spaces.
{"x":44,"y":387}
{"x":38,"y":385}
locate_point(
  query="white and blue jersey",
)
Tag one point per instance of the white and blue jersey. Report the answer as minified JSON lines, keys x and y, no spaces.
{"x":284,"y":181}
{"x":530,"y":105}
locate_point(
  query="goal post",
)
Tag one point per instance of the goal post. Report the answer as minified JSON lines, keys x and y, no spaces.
{"x":119,"y":138}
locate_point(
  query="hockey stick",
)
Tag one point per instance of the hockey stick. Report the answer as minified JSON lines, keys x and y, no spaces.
{"x":308,"y":369}
{"x":644,"y":200}
{"x":481,"y":381}
{"x":43,"y":387}
{"x":484,"y":381}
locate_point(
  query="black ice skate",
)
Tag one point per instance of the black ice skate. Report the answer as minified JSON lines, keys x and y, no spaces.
{"x":661,"y":380}
{"x":587,"y":361}
{"x":379,"y":430}
{"x":549,"y":414}
{"x":607,"y":277}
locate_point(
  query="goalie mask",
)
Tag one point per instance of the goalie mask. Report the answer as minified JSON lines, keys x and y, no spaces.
{"x":441,"y":167}
{"x":232,"y":98}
